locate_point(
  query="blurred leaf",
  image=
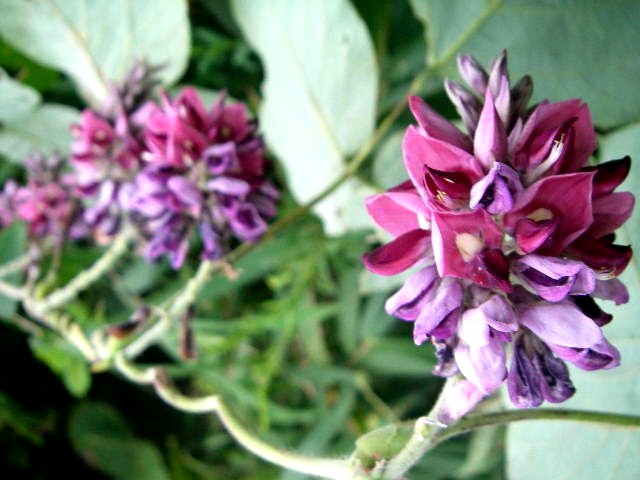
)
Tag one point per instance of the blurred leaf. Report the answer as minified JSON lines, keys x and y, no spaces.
{"x":573,"y":48}
{"x":332,"y":423}
{"x":16,"y":100}
{"x":65,"y":361}
{"x":26,"y":424}
{"x":102,"y":437}
{"x":580,"y":451}
{"x":269,"y":255}
{"x":45,"y":129}
{"x":319,"y":103}
{"x":388,"y":166}
{"x":140,"y":275}
{"x":13,"y":244}
{"x":398,"y":357}
{"x":29,"y":73}
{"x":97,"y":41}
{"x":348,"y":316}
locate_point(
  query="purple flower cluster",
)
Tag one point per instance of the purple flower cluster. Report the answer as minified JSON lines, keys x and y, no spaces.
{"x":44,"y":203}
{"x":512,"y":235}
{"x":170,"y":168}
{"x":203,"y":169}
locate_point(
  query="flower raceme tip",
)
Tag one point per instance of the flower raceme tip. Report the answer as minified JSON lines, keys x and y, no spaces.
{"x":511,"y":235}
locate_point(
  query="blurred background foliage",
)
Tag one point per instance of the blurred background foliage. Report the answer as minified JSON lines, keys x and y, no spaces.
{"x":299,"y":342}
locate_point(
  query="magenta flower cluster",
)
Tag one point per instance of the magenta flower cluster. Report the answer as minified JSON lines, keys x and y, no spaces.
{"x":511,"y":233}
{"x":171,"y":168}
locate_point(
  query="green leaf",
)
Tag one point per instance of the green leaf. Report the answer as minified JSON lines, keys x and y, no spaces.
{"x":578,"y":451}
{"x":102,"y":437}
{"x":319,"y":95}
{"x":398,"y":357}
{"x":16,"y":100}
{"x":96,"y":41}
{"x":573,"y":48}
{"x":45,"y":129}
{"x":65,"y":361}
{"x":13,"y":243}
{"x":388,"y":166}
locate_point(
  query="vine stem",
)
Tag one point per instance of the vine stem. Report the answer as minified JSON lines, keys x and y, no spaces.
{"x":428,"y":432}
{"x":58,"y":298}
{"x":16,"y":265}
{"x":334,"y":469}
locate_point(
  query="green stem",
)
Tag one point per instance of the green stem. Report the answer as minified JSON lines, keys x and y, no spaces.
{"x":471,"y":422}
{"x":58,"y":298}
{"x":320,"y":467}
{"x":427,"y":434}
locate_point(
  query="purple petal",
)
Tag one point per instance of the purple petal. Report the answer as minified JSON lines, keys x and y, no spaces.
{"x":247,"y":224}
{"x":602,"y":355}
{"x":407,"y":302}
{"x":612,"y":289}
{"x":441,"y":301}
{"x":523,"y":380}
{"x":556,"y":386}
{"x":229,"y":186}
{"x":467,"y":105}
{"x":561,"y":323}
{"x":554,"y":278}
{"x":185,"y":190}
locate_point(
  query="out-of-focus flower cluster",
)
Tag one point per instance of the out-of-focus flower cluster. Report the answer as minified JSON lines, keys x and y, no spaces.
{"x":171,"y":168}
{"x":511,"y":233}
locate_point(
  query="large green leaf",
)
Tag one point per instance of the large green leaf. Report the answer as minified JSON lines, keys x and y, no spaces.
{"x":319,"y":95}
{"x":27,"y":126}
{"x":96,"y":41}
{"x":16,"y":99}
{"x":564,"y":450}
{"x":573,"y":48}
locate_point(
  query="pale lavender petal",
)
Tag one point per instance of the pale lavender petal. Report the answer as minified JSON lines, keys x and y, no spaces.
{"x":229,"y":186}
{"x":561,"y":323}
{"x":459,"y":400}
{"x":554,"y":278}
{"x":483,"y":366}
{"x":473,"y":73}
{"x":185,"y":190}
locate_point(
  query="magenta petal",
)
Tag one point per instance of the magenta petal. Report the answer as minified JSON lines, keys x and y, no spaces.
{"x":421,"y":153}
{"x":609,"y":175}
{"x":601,"y":254}
{"x":407,"y":302}
{"x":565,"y":198}
{"x":561,"y":323}
{"x":398,"y":210}
{"x":490,"y":140}
{"x":399,"y":254}
{"x":436,"y":126}
{"x":610,"y":212}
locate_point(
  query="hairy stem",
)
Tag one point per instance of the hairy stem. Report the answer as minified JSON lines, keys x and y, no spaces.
{"x":320,"y":467}
{"x":82,"y":281}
